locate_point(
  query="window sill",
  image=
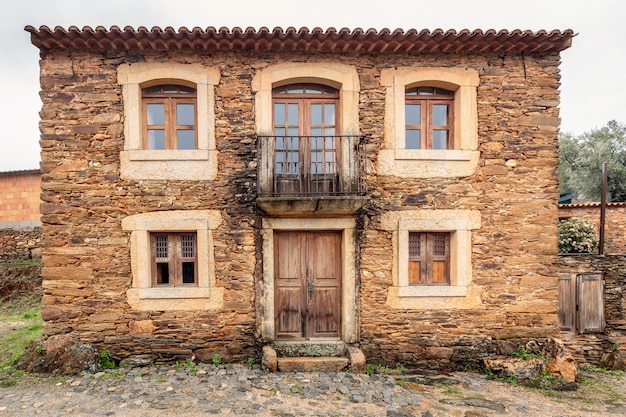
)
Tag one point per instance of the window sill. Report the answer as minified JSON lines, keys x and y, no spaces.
{"x":200,"y":164}
{"x":433,"y":298}
{"x":433,"y":154}
{"x":407,"y":163}
{"x":432,"y":291}
{"x":148,"y":299}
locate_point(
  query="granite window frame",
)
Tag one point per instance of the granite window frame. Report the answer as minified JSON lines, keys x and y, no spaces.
{"x":143,"y":294}
{"x":138,"y":163}
{"x":394,"y":159}
{"x":460,"y":225}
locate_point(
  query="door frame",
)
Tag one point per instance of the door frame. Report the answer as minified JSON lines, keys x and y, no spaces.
{"x":349,"y":313}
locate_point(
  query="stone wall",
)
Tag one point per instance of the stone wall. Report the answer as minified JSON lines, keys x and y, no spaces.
{"x":87,"y":258}
{"x":615,"y":224}
{"x":20,"y":244}
{"x":590,"y":347}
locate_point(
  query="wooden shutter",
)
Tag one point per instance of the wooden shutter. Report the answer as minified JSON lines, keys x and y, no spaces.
{"x":416,"y":258}
{"x":590,"y":303}
{"x":567,"y":302}
{"x":439,"y":250}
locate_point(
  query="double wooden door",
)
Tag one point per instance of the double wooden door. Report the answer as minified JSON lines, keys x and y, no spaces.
{"x":307,"y":285}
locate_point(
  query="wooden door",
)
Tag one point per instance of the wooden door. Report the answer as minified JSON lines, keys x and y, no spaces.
{"x":306,"y":147}
{"x":307,"y":285}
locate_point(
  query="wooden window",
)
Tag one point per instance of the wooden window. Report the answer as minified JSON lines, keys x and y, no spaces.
{"x":428,"y":118}
{"x":175,"y":260}
{"x":429,"y":258}
{"x":169,"y":117}
{"x":581,"y":302}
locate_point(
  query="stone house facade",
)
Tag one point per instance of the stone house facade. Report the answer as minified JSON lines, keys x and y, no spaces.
{"x":215,"y":191}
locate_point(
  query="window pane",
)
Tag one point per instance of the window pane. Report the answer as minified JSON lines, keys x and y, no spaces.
{"x":316,"y":131}
{"x":279,"y":114}
{"x":440,"y":139}
{"x":292,"y":114}
{"x":413,"y":139}
{"x":170,"y":89}
{"x":189,"y":272}
{"x":313,"y":89}
{"x":185,"y":114}
{"x":188,"y":246}
{"x":414,"y":246}
{"x":163,"y":273}
{"x":413,"y":114}
{"x":316,"y":142}
{"x":152,"y":90}
{"x":426,"y":91}
{"x":316,"y":114}
{"x":156,"y":139}
{"x":439,"y":244}
{"x":186,"y":139}
{"x":293,"y":132}
{"x":329,"y":114}
{"x":160,"y":247}
{"x":297,"y":89}
{"x":186,"y":90}
{"x":440,"y":115}
{"x":156,"y":114}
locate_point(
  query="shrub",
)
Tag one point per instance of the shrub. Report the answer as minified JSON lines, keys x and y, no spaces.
{"x":577,"y":236}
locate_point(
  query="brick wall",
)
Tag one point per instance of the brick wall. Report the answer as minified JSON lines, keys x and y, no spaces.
{"x":615,"y":225}
{"x":19,"y":199}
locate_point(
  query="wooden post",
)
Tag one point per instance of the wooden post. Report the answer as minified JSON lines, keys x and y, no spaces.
{"x":603,"y":208}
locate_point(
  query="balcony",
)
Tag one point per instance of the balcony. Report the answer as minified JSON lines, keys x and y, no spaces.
{"x":306,"y":175}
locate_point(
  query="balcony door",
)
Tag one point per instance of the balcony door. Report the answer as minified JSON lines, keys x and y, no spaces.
{"x":306,"y":145}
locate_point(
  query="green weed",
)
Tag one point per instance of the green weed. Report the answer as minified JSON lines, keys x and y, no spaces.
{"x":106,"y":360}
{"x":216,"y":359}
{"x":522,"y":353}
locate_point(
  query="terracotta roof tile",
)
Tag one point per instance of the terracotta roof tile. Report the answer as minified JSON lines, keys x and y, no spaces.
{"x":591,"y":205}
{"x":303,"y":39}
{"x":20,"y":172}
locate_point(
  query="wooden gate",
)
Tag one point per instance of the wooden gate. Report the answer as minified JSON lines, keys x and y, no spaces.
{"x":307,"y":285}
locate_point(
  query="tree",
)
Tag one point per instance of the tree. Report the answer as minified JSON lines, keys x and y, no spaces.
{"x":581,"y":158}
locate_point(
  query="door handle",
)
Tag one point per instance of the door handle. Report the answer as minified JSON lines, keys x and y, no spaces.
{"x":309,"y":291}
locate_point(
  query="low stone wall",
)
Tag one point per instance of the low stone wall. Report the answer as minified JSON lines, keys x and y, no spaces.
{"x":590,"y":348}
{"x":20,"y":244}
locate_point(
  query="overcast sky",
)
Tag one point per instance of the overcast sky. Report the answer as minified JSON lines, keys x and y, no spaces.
{"x":593,"y":83}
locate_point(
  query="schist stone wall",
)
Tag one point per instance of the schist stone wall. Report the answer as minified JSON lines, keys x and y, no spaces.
{"x":87,"y":265}
{"x":591,"y":347}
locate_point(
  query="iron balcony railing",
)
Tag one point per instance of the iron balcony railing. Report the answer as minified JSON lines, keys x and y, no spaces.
{"x":306,"y":166}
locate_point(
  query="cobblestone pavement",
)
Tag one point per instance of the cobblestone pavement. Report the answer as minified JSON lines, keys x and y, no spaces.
{"x":237,"y":390}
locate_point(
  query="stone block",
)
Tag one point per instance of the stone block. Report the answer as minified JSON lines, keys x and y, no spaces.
{"x":269,"y":359}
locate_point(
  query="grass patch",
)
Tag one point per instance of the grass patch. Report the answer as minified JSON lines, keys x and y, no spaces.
{"x":34,"y":261}
{"x":13,"y":342}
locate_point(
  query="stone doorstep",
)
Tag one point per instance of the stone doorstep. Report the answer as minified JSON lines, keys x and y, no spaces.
{"x":310,"y":349}
{"x":351,"y":356}
{"x":312,"y":364}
